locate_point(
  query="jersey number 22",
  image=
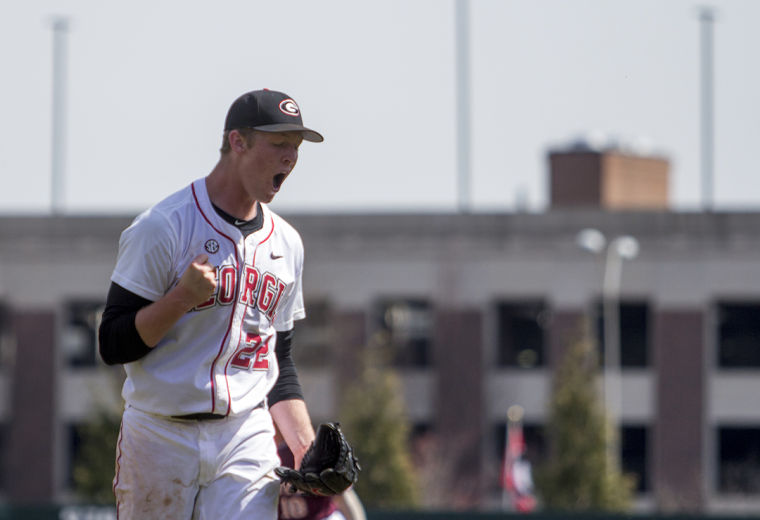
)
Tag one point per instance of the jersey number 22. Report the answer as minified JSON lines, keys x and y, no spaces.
{"x":254,"y":351}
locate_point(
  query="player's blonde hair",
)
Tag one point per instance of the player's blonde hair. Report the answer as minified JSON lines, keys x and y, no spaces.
{"x":247,"y":133}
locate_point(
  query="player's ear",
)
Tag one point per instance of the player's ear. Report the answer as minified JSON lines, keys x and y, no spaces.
{"x":237,"y":141}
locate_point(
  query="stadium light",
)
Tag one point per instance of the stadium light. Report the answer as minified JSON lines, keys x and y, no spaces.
{"x":620,"y":248}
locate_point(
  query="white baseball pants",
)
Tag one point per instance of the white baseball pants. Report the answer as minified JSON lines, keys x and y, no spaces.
{"x":200,"y":470}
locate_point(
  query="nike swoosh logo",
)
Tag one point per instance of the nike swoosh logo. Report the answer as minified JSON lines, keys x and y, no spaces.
{"x":240,"y":222}
{"x":274,"y":256}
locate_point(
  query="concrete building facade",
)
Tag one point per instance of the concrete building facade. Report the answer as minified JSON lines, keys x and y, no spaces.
{"x":479,"y":308}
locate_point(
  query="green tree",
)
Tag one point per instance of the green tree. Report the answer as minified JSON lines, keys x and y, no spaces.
{"x":94,"y":464}
{"x":94,"y":460}
{"x":374,"y":419}
{"x":577,"y":475}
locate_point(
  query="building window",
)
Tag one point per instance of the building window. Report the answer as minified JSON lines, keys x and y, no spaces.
{"x":521,"y":333}
{"x":406,"y":328}
{"x":3,"y":454}
{"x":423,"y":443}
{"x":633,"y":454}
{"x":633,"y":449}
{"x":535,"y":441}
{"x":312,"y":343}
{"x":634,"y":333}
{"x":73,"y":452}
{"x":89,"y":461}
{"x":79,"y":339}
{"x":738,"y":335}
{"x":7,"y":349}
{"x":739,"y":460}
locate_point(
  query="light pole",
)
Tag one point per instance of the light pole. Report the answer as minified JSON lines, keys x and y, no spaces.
{"x":464,"y":116}
{"x":620,"y":248}
{"x":706,"y":19}
{"x":60,"y":26}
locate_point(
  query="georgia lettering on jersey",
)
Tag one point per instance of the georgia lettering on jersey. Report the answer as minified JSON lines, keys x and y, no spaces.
{"x":262,"y":291}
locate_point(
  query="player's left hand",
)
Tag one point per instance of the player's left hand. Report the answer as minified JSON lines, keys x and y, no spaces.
{"x":329,"y":466}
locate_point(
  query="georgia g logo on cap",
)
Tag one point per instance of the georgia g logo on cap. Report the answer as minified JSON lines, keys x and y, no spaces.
{"x":289,"y":107}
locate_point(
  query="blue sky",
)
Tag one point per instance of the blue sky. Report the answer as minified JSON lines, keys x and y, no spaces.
{"x":149,"y":83}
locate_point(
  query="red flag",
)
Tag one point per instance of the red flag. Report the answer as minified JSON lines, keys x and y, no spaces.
{"x":516,"y":478}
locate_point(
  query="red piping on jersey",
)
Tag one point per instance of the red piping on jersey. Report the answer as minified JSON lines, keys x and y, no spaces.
{"x":232,"y":314}
{"x":240,"y":335}
{"x":267,"y":238}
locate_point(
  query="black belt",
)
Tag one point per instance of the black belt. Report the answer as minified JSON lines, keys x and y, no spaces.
{"x":199,"y":416}
{"x":206,"y":416}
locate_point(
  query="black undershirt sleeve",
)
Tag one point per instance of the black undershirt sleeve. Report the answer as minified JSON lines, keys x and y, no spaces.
{"x":287,"y":385}
{"x":117,"y":335}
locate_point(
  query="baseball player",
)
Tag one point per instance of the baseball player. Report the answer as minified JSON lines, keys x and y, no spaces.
{"x":204,"y":295}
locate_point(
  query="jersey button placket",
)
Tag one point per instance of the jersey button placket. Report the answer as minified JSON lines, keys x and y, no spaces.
{"x":237,"y":332}
{"x":224,"y":393}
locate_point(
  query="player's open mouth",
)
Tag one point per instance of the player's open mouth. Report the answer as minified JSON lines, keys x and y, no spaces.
{"x":278,"y":180}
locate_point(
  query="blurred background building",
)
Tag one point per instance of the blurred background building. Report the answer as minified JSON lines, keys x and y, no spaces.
{"x":478,"y":308}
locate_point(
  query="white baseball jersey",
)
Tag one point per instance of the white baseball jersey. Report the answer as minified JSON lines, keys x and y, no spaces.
{"x":219,"y":357}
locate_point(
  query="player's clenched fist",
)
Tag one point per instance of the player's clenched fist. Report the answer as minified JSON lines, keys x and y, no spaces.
{"x":195,"y":286}
{"x":198,"y":280}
